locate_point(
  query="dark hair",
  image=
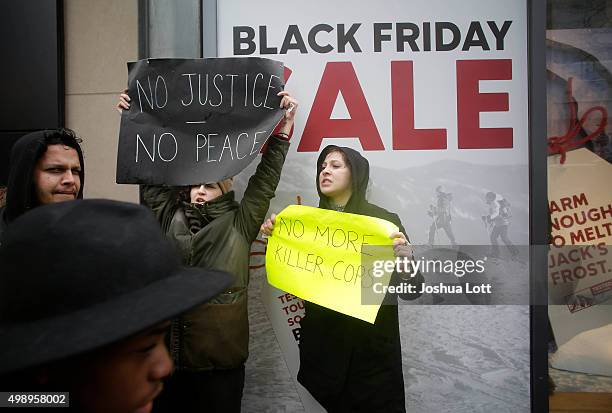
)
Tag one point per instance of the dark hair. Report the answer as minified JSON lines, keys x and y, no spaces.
{"x":331,"y":149}
{"x":184,"y":194}
{"x":61,"y":136}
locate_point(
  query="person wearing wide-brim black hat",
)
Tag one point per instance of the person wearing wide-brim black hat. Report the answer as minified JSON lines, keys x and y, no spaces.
{"x":85,"y":292}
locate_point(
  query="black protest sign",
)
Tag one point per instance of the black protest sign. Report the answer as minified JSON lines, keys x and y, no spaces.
{"x":196,"y":120}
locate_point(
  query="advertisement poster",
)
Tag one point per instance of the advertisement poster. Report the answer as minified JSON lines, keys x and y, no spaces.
{"x":579,"y":93}
{"x":580,"y":263}
{"x":435,"y":95}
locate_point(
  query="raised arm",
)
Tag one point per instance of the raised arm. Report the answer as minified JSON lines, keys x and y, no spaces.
{"x":262,"y":185}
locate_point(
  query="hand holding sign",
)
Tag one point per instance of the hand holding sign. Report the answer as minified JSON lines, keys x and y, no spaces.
{"x":124,"y":102}
{"x":290,"y":105}
{"x":268,"y":226}
{"x":401,"y":246}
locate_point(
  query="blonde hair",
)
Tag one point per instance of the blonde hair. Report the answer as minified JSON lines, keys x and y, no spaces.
{"x":226,"y":185}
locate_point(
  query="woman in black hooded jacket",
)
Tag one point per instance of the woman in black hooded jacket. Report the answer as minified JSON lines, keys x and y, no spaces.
{"x":347,"y":364}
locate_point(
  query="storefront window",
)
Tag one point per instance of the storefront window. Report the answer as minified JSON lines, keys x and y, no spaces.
{"x":579,"y":104}
{"x":579,"y":69}
{"x":173,"y":28}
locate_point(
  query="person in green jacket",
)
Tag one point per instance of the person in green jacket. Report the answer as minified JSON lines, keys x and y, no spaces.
{"x":212,"y":230}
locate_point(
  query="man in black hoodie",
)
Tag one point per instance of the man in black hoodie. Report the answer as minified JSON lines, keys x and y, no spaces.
{"x":45,"y":167}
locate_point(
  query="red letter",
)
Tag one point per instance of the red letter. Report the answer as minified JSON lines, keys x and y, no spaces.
{"x":405,"y":136}
{"x":470,"y":103}
{"x":287,"y":74}
{"x":340,"y":77}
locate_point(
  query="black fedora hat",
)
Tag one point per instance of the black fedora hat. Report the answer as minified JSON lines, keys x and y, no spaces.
{"x":79,"y":275}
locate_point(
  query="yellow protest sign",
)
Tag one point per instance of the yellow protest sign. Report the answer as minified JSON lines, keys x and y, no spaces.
{"x":316,"y":254}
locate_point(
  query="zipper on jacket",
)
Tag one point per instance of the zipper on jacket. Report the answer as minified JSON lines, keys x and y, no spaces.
{"x":175,"y":342}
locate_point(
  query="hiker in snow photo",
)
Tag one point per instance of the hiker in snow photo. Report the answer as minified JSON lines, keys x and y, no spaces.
{"x":497,"y":222}
{"x":440,"y":212}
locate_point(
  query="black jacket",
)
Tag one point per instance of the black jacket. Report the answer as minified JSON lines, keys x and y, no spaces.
{"x":347,"y":363}
{"x":20,"y":195}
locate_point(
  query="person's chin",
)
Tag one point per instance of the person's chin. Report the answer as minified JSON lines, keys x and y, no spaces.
{"x":327,"y":190}
{"x":61,"y":197}
{"x":146,"y":408}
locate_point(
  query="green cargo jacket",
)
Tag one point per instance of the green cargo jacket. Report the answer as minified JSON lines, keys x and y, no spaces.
{"x":217,"y":235}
